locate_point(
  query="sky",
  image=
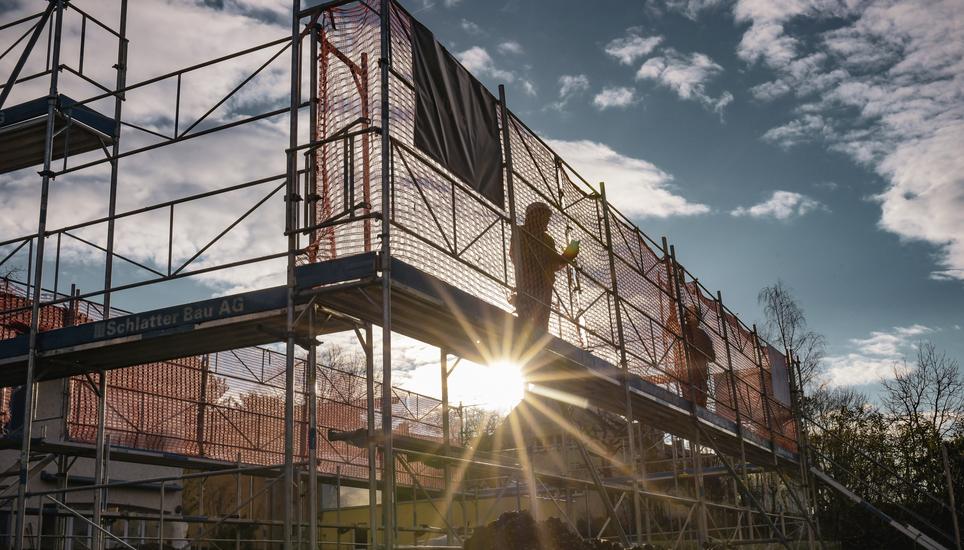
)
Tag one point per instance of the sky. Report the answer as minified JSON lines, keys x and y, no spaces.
{"x":818,"y":142}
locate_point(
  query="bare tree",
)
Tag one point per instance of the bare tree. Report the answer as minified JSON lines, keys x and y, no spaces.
{"x":929,"y":394}
{"x":478,"y":422}
{"x":787,"y":324}
{"x":824,"y":404}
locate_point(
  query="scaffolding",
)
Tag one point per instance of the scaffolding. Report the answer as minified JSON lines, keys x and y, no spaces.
{"x":375,"y":233}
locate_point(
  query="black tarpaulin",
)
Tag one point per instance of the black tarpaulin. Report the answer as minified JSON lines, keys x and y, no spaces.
{"x":455,"y":117}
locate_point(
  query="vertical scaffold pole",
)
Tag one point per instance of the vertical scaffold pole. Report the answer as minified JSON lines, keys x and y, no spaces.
{"x":372,"y":453}
{"x":950,"y":495}
{"x":507,"y":163}
{"x":121,"y":82}
{"x":311,"y":396}
{"x":32,"y":359}
{"x":99,"y":456}
{"x":291,"y":216}
{"x":446,"y":443}
{"x":796,"y":391}
{"x":312,"y":374}
{"x":725,"y":331}
{"x":388,"y":454}
{"x":99,"y":451}
{"x":679,"y":282}
{"x":624,"y":363}
{"x":767,"y":413}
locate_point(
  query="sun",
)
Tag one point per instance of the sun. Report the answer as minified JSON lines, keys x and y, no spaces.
{"x":498,"y":386}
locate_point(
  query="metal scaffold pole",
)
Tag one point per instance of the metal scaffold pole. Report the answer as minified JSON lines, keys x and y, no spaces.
{"x":32,"y":358}
{"x":679,"y":283}
{"x":121,"y":83}
{"x":291,"y":223}
{"x":624,"y":363}
{"x":368,"y":344}
{"x":312,"y":398}
{"x":446,"y":442}
{"x":388,"y":455}
{"x":796,"y":394}
{"x":312,"y":374}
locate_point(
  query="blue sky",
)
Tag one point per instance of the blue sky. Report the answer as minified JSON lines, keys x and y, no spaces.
{"x":776,"y":117}
{"x":815,"y":141}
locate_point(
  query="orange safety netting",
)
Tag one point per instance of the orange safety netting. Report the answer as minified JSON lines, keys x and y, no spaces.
{"x":224,"y":406}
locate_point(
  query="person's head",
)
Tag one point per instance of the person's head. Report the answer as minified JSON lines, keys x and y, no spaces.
{"x":178,"y":509}
{"x":537,"y":216}
{"x":693,"y":317}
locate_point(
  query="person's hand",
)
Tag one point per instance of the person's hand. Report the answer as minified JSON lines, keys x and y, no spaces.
{"x":571,"y":251}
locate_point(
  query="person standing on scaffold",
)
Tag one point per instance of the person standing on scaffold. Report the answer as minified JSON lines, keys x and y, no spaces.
{"x":533,"y":251}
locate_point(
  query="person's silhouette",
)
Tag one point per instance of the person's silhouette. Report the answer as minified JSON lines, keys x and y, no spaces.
{"x":533,"y":252}
{"x":700,"y":353}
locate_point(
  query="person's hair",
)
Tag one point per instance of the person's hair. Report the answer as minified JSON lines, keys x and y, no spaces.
{"x":694,"y":311}
{"x":535,"y":210}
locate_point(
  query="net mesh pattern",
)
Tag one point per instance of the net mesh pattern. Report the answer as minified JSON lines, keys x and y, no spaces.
{"x":444,"y":227}
{"x":348,"y":105}
{"x":228,"y":405}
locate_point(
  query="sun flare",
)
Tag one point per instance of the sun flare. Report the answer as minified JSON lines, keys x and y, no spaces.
{"x":499,"y":386}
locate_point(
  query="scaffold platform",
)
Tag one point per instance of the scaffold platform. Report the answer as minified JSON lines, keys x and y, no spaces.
{"x":425,"y":308}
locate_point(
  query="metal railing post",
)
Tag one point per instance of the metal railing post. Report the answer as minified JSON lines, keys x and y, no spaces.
{"x":446,"y":442}
{"x":767,"y":413}
{"x":388,"y":454}
{"x":507,"y":157}
{"x":99,"y":453}
{"x":620,"y":333}
{"x":694,"y":446}
{"x":32,"y":358}
{"x":312,"y":398}
{"x":291,"y":223}
{"x":370,"y":423}
{"x":736,"y":396}
{"x":121,"y":83}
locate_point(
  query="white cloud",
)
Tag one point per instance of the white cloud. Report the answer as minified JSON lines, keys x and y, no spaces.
{"x":889,"y":80}
{"x":633,"y":46}
{"x":687,"y":75}
{"x":874,"y":358}
{"x":570,"y":86}
{"x":635,"y":186}
{"x":478,"y":61}
{"x":180,"y":30}
{"x":510,"y":47}
{"x":451,"y":3}
{"x":614,"y":97}
{"x":470,"y":27}
{"x":528,"y":87}
{"x":765,"y":39}
{"x":692,"y":8}
{"x":800,"y":130}
{"x":925,"y":198}
{"x":854,"y":369}
{"x":782,"y":205}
